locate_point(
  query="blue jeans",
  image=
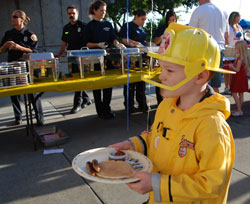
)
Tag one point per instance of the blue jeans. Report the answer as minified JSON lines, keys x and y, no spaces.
{"x":216,"y":80}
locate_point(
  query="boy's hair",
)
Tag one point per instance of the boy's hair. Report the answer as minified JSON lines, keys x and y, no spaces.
{"x":244,"y":53}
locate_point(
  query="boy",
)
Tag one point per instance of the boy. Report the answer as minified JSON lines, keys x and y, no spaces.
{"x":190,"y":144}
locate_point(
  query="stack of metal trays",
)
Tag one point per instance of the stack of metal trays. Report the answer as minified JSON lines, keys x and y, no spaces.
{"x":87,"y":59}
{"x":13,"y":74}
{"x":43,"y":67}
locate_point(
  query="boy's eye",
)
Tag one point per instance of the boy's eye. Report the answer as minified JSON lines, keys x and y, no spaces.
{"x":169,"y":70}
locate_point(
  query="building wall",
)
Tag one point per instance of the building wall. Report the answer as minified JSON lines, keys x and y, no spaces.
{"x":47,"y":19}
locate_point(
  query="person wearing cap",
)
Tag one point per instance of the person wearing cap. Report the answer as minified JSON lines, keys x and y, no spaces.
{"x":190,"y":143}
{"x":137,"y":38}
{"x":18,"y":42}
{"x":210,"y":18}
{"x":73,"y":39}
{"x":100,"y":34}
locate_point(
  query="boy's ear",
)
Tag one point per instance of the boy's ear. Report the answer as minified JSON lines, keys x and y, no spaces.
{"x":203,"y":77}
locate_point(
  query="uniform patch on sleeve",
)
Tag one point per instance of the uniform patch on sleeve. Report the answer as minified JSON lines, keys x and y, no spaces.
{"x":33,"y":37}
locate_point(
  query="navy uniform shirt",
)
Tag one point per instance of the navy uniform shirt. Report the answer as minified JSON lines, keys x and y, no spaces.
{"x":160,"y":30}
{"x":25,"y":38}
{"x":100,"y":31}
{"x":136,"y":33}
{"x":73,"y":35}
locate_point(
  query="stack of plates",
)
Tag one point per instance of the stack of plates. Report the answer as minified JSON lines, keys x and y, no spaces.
{"x":22,"y":80}
{"x":1,"y":83}
{"x":3,"y":70}
{"x":12,"y":81}
{"x":6,"y":82}
{"x":17,"y":70}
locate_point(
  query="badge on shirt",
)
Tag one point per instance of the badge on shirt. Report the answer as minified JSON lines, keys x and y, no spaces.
{"x":33,"y":37}
{"x":106,"y":29}
{"x":184,"y":145}
{"x":79,"y":29}
{"x":25,"y":39}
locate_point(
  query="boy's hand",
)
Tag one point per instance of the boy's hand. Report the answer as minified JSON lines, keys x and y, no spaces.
{"x":122,"y":145}
{"x":144,"y":185}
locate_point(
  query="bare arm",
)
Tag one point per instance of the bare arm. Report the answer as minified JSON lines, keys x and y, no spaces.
{"x":130,"y":42}
{"x":92,"y":45}
{"x":62,"y":48}
{"x":238,"y":65}
{"x":226,"y":38}
{"x":14,"y":46}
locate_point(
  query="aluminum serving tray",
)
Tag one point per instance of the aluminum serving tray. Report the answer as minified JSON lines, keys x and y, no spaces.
{"x":42,"y":66}
{"x":89,"y":57}
{"x":134,"y":55}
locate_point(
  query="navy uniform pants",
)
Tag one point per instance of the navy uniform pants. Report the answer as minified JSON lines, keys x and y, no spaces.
{"x":37,"y":106}
{"x":102,"y":96}
{"x":80,"y":97}
{"x":139,"y":89}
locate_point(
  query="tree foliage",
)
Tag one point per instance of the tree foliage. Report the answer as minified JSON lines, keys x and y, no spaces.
{"x":117,"y":10}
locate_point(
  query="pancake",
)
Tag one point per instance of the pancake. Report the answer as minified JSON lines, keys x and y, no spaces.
{"x":115,"y":170}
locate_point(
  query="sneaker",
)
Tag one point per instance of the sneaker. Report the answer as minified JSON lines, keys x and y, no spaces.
{"x":237,"y":113}
{"x":227,"y":91}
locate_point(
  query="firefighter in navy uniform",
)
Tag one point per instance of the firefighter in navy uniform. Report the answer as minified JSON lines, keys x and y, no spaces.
{"x":137,"y":38}
{"x":100,"y":34}
{"x":18,"y":42}
{"x":73,"y":39}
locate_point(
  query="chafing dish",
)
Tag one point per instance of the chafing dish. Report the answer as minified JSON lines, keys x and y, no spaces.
{"x":43,"y":66}
{"x":133,"y":55}
{"x":87,"y":58}
{"x":146,"y":60}
{"x":113,"y":58}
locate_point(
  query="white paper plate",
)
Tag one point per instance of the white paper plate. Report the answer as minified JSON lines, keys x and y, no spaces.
{"x":101,"y":154}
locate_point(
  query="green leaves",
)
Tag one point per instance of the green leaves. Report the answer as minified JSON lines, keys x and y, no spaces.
{"x":117,"y":10}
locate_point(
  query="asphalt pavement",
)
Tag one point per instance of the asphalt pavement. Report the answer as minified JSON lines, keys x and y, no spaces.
{"x":28,"y":176}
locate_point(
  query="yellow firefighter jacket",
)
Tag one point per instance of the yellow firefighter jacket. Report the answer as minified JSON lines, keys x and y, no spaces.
{"x":192,"y":151}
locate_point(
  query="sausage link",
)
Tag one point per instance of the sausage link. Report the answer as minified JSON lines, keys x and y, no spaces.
{"x":96,"y":165}
{"x":90,"y":168}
